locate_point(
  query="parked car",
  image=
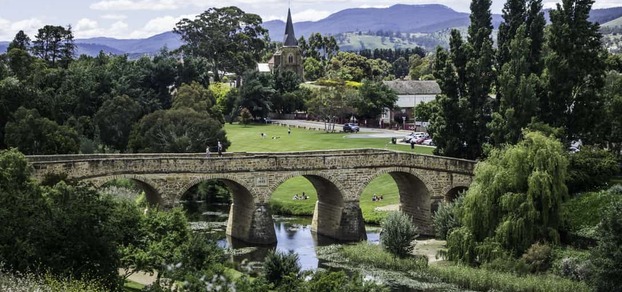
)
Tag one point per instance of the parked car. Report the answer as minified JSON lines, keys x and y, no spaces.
{"x":428,"y":142}
{"x":350,"y":127}
{"x":415,"y":135}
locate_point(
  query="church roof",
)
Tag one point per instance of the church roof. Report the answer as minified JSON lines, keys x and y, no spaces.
{"x":289,"y":39}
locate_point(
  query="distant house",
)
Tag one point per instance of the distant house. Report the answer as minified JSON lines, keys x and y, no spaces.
{"x":410,"y":93}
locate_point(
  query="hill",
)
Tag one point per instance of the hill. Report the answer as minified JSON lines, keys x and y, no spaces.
{"x":397,"y":18}
{"x":401,"y":26}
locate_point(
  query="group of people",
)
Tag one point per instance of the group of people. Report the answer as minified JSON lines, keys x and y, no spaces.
{"x":219,"y":149}
{"x":376,"y":198}
{"x":303,"y":196}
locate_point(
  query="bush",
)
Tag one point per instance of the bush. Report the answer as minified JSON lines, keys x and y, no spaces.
{"x":590,"y":169}
{"x":538,"y":257}
{"x":446,"y":218}
{"x":575,"y":269}
{"x":460,"y":246}
{"x":277,"y":266}
{"x":607,"y":256}
{"x":398,"y":233}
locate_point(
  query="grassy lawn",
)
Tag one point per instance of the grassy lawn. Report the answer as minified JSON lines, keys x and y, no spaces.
{"x":248,"y":139}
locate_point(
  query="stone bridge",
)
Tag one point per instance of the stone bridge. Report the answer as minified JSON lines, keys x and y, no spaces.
{"x":339,"y":176}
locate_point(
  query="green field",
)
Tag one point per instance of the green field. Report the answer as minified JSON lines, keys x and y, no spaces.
{"x":248,"y":139}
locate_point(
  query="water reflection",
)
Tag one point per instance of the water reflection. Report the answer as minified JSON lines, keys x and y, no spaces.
{"x":293,"y":235}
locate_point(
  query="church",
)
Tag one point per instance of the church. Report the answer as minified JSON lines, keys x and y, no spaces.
{"x":288,"y":57}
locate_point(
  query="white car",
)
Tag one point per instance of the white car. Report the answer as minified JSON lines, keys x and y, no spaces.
{"x":428,"y":142}
{"x":415,"y":135}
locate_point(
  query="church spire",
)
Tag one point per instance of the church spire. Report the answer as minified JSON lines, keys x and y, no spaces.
{"x":290,"y":39}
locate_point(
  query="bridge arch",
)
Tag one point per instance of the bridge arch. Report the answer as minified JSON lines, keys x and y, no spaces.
{"x":152,"y":194}
{"x":414,"y":195}
{"x":250,"y":220}
{"x":451,"y":192}
{"x":335,"y":215}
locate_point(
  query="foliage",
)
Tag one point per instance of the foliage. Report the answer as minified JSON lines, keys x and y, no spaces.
{"x":245,"y":116}
{"x":25,"y":282}
{"x":538,"y":257}
{"x":398,"y":234}
{"x":115,"y":119}
{"x":313,"y":69}
{"x":34,"y":134}
{"x":572,"y":264}
{"x":590,"y":169}
{"x":447,"y":217}
{"x":515,"y":199}
{"x":607,"y":255}
{"x":54,"y":44}
{"x":374,"y":97}
{"x":278,"y":265}
{"x":231,"y":39}
{"x":176,"y":130}
{"x":256,"y":94}
{"x":585,"y":210}
{"x":326,"y":281}
{"x":372,"y":255}
{"x":486,"y":280}
{"x":574,"y":77}
{"x":425,"y":110}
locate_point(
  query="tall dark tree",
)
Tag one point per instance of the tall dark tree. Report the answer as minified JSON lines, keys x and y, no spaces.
{"x":33,"y":134}
{"x":115,"y":119}
{"x":575,"y":66}
{"x":374,"y":97}
{"x":517,"y":91}
{"x":54,"y":44}
{"x":446,"y":123}
{"x":479,"y":78}
{"x":20,"y":41}
{"x":231,"y":39}
{"x":256,"y":93}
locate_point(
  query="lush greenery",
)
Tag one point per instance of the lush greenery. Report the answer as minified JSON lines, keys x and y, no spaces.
{"x":607,"y":254}
{"x":513,"y":202}
{"x":398,"y":234}
{"x":372,"y":255}
{"x":447,"y":217}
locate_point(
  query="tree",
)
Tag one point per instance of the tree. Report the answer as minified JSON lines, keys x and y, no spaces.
{"x":278,"y":265}
{"x":20,"y":41}
{"x":176,"y":131}
{"x":313,"y":69}
{"x":115,"y":119}
{"x":607,"y":256}
{"x":398,"y":233}
{"x":23,"y":210}
{"x":54,"y":44}
{"x":400,"y":67}
{"x":479,"y":78}
{"x":514,"y":200}
{"x":256,"y":93}
{"x":245,"y":116}
{"x":574,"y":72}
{"x":446,"y":124}
{"x":330,"y":103}
{"x":195,"y":96}
{"x":425,"y":110}
{"x":33,"y":134}
{"x":374,"y":97}
{"x":231,"y":39}
{"x":517,"y":91}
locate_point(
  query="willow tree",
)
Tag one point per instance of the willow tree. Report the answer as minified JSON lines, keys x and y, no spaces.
{"x":515,"y":198}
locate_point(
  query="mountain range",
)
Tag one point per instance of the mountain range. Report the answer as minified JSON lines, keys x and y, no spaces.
{"x":428,"y":18}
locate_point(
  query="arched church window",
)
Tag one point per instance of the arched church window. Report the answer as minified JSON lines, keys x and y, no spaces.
{"x":290,"y":58}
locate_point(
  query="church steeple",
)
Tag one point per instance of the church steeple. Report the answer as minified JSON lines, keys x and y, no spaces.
{"x":289,"y":39}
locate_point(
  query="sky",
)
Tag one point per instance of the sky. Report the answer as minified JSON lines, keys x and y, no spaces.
{"x":144,"y":18}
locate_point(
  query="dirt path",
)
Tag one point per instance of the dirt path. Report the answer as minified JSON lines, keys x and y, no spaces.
{"x":429,"y":248}
{"x":141,"y":277}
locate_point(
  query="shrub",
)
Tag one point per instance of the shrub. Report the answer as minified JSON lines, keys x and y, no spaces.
{"x":460,"y":246}
{"x":538,"y":257}
{"x":278,"y":265}
{"x":398,"y":233}
{"x":607,"y":255}
{"x":575,"y":269}
{"x":324,"y":281}
{"x":590,"y":169}
{"x":446,"y":217}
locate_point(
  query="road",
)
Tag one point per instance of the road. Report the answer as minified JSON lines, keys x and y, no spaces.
{"x":363,"y":133}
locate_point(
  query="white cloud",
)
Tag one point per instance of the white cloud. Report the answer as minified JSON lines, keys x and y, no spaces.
{"x":158,"y":25}
{"x":114,"y":16}
{"x":85,"y":24}
{"x":30,"y":26}
{"x":91,"y":29}
{"x":135,"y":5}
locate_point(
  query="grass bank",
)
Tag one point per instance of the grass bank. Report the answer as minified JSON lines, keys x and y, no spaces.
{"x":464,"y":277}
{"x":248,"y":139}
